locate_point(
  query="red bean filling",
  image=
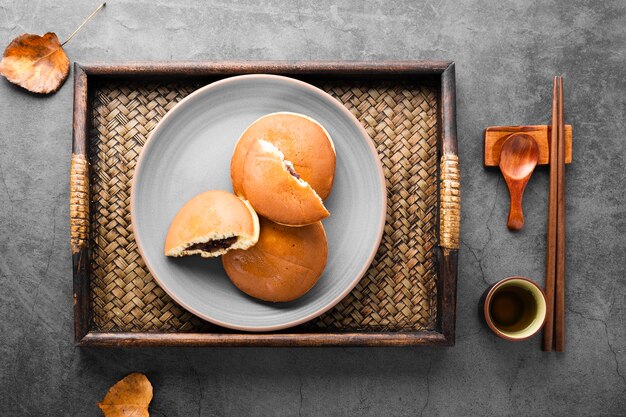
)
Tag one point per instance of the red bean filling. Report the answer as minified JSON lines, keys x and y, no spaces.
{"x":292,"y":171}
{"x":213,"y":245}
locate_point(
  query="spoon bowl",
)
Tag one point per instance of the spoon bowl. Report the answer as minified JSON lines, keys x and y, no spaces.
{"x":518,"y":159}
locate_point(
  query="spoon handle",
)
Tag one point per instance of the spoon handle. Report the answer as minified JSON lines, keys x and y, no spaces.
{"x":516,"y":214}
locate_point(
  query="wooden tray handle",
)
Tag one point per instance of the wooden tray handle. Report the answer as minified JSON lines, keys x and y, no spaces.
{"x":79,"y":203}
{"x":450,"y":202}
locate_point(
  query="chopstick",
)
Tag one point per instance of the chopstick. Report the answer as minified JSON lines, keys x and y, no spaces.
{"x":548,"y":329}
{"x":554,"y":328}
{"x":559,"y":310}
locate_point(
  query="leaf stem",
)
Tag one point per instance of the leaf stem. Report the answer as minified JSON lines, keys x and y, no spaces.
{"x":84,"y":22}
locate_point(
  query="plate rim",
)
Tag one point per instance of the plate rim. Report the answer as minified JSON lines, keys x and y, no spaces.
{"x":332,"y":102}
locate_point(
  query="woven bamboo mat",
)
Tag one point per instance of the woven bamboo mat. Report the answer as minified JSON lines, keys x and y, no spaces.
{"x":398,"y":293}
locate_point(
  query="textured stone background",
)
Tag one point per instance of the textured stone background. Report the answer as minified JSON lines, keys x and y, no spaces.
{"x":505,"y":54}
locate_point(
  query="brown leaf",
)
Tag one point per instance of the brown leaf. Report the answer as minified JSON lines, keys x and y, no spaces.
{"x":37,"y":63}
{"x":128,"y":397}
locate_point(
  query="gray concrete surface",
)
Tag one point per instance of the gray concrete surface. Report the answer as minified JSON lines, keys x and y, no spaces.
{"x":505,"y":54}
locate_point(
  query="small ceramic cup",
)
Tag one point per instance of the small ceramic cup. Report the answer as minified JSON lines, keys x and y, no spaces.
{"x":514,"y":308}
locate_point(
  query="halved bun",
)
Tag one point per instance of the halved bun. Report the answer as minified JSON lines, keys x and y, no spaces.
{"x":211,"y":224}
{"x":283,"y":265}
{"x":274,"y":189}
{"x":302,"y":140}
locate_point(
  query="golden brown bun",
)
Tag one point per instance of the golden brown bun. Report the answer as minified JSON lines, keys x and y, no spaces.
{"x":284,"y":264}
{"x":276,"y":194}
{"x":303,"y":141}
{"x":212,"y":216}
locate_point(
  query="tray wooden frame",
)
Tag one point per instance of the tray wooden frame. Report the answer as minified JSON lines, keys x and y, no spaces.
{"x":443,"y":72}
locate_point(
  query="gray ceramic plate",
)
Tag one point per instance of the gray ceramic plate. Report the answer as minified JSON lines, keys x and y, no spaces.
{"x":189,"y":152}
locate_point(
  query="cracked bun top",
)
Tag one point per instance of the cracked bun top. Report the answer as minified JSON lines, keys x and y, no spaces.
{"x":303,"y":141}
{"x":276,"y":190}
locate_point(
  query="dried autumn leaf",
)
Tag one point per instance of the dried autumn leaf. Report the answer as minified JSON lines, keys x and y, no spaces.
{"x":37,"y":63}
{"x":128,"y":397}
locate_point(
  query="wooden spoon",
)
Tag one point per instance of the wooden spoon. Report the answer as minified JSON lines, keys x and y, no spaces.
{"x":518,"y":159}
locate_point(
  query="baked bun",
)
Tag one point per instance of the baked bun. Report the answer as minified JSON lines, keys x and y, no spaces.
{"x":303,"y":141}
{"x":211,"y":224}
{"x":283,"y":265}
{"x":275,"y":190}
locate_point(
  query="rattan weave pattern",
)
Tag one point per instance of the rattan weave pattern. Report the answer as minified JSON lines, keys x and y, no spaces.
{"x":398,"y":292}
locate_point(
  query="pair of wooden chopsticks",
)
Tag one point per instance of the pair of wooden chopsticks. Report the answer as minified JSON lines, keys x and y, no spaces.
{"x":554,"y":329}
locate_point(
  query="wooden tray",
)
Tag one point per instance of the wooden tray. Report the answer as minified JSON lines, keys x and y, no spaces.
{"x":407,"y":297}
